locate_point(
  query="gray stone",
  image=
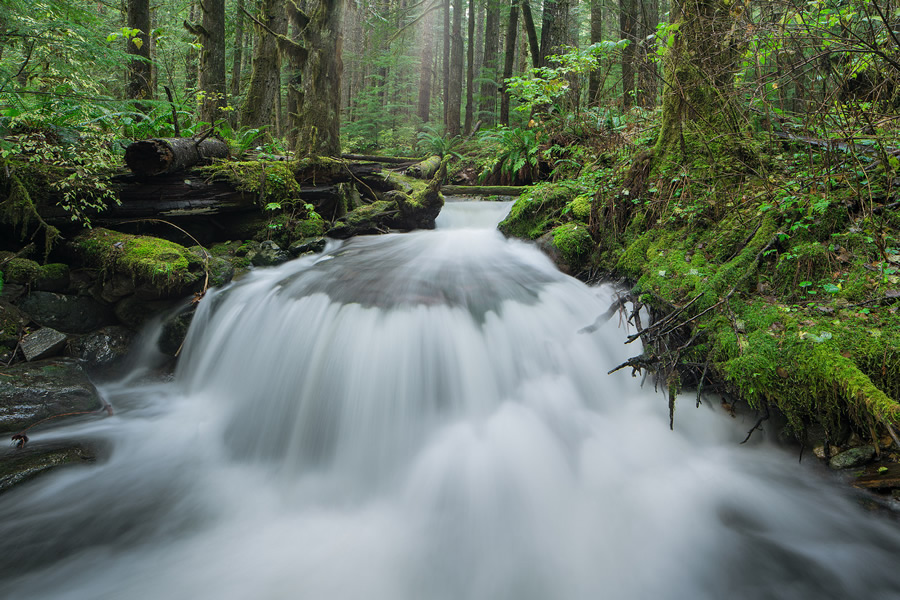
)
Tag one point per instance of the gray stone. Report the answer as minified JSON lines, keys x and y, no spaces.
{"x":117,"y":287}
{"x":853,"y":457}
{"x":133,"y":311}
{"x":33,"y":391}
{"x":103,"y":348}
{"x":270,"y":254}
{"x":43,"y":343}
{"x":307,"y":245}
{"x":18,"y":465}
{"x":71,"y":314}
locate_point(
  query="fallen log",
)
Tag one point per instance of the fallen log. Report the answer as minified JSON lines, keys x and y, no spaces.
{"x":483,"y":190}
{"x":159,"y":156}
{"x":390,"y":160}
{"x":425,"y":169}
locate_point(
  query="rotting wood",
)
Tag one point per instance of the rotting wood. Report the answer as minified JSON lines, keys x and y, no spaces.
{"x":159,"y":156}
{"x":425,"y":169}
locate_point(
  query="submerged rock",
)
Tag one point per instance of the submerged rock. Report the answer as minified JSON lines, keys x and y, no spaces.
{"x":18,"y":465}
{"x":308,"y":245}
{"x":33,"y":391}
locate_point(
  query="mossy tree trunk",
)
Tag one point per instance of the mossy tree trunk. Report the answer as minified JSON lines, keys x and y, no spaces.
{"x":265,"y":82}
{"x":509,"y":58}
{"x":700,"y":117}
{"x":318,"y":118}
{"x":212,"y":60}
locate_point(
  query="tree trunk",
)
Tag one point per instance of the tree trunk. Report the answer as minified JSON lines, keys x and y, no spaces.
{"x":139,"y":75}
{"x":445,"y":64}
{"x":238,"y":56}
{"x":647,"y":73}
{"x":628,"y":31}
{"x":454,"y":95}
{"x":699,"y":114}
{"x":426,"y":69}
{"x":512,"y":29}
{"x":260,"y":102}
{"x":533,"y":44}
{"x":596,"y":36}
{"x":470,"y":69}
{"x":190,"y":57}
{"x":319,"y":117}
{"x":295,"y":55}
{"x":489,"y":73}
{"x":212,"y":60}
{"x":554,"y":29}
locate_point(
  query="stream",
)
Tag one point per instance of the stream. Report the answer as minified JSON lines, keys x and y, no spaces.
{"x":417,"y":417}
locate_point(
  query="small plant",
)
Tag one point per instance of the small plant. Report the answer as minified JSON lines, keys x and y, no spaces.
{"x":431,"y":142}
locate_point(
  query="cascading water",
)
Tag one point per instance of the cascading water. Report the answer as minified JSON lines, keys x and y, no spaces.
{"x":417,"y":417}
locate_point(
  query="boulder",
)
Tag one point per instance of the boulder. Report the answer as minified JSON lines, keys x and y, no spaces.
{"x":30,"y":392}
{"x":43,"y":343}
{"x":12,"y":320}
{"x":70,"y":314}
{"x":309,"y":245}
{"x":269,"y":255}
{"x":18,"y":465}
{"x":54,"y":277}
{"x":133,"y":311}
{"x":102,"y":349}
{"x":854,"y":457}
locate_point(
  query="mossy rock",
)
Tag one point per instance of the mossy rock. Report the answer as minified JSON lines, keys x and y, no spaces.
{"x":12,"y":320}
{"x":21,"y":270}
{"x":536,"y":212}
{"x":163,"y":266}
{"x":569,"y":246}
{"x":53,"y":277}
{"x":377,"y":217}
{"x":308,"y":228}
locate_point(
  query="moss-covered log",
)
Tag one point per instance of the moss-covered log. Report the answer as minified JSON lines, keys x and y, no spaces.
{"x":169,"y":155}
{"x":484,"y":190}
{"x":388,"y":160}
{"x":425,"y":169}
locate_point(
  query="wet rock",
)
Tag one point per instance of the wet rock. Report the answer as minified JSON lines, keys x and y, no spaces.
{"x":12,"y":320}
{"x":18,"y":465}
{"x":174,"y":332}
{"x":102,"y":349}
{"x":54,"y":277}
{"x":70,"y":314}
{"x":133,"y":311}
{"x":43,"y":343}
{"x":854,"y":457}
{"x":221,"y":270}
{"x":33,"y":391}
{"x":307,"y":245}
{"x":377,"y":217}
{"x":270,"y":254}
{"x":117,"y":287}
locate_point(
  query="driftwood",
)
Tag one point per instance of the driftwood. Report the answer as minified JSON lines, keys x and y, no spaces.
{"x":425,"y":169}
{"x":483,"y":190}
{"x":159,"y":156}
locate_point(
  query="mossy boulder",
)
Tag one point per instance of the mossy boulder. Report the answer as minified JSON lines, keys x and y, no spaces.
{"x":159,"y":267}
{"x":21,"y":270}
{"x":53,"y":277}
{"x":569,"y":246}
{"x":377,"y":217}
{"x":12,"y":320}
{"x":536,"y":212}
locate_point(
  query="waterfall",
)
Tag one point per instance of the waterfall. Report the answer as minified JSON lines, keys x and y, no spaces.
{"x":421,"y":417}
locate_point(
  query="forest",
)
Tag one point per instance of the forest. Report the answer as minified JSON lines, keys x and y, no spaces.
{"x":734,"y":163}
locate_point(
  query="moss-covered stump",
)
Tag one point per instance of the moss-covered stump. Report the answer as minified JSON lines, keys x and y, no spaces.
{"x":18,"y":465}
{"x":158,"y":267}
{"x":30,"y":392}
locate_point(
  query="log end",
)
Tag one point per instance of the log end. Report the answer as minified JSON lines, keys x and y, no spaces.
{"x":148,"y":157}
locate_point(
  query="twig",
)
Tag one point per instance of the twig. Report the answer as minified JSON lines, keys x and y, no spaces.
{"x":893,"y":434}
{"x":700,"y":383}
{"x":174,"y":112}
{"x":759,"y":422}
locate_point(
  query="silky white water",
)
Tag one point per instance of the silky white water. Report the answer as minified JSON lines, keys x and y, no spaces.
{"x":417,"y":417}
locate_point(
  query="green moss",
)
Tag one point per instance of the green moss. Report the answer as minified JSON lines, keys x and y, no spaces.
{"x":18,"y":209}
{"x":574,"y":243}
{"x":55,"y":271}
{"x":580,"y":208}
{"x":309,"y":228}
{"x":163,"y":263}
{"x":266,"y":181}
{"x":21,"y":270}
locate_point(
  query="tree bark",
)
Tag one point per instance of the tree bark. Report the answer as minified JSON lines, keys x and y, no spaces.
{"x":238,"y":56}
{"x":596,"y":36}
{"x":167,"y":155}
{"x":454,"y":95}
{"x":487,"y":110}
{"x":426,"y":69}
{"x":647,"y":73}
{"x":138,"y":47}
{"x":699,"y":113}
{"x":628,"y":31}
{"x":190,"y":57}
{"x":554,"y":29}
{"x":319,"y":116}
{"x":533,"y":44}
{"x":259,"y":105}
{"x":512,"y":29}
{"x":470,"y":69}
{"x":445,"y":64}
{"x":212,"y":60}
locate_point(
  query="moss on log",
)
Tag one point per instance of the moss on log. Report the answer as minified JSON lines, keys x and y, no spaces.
{"x":169,"y":155}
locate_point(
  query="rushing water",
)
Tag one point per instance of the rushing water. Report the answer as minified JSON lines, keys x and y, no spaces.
{"x":417,"y":417}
